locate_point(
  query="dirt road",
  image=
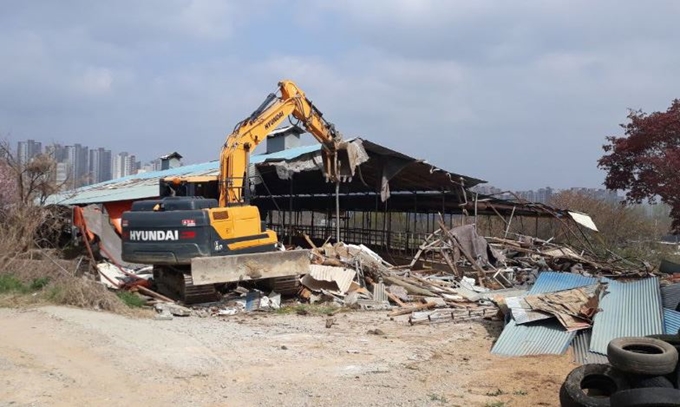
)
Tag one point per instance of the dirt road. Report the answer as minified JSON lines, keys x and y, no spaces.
{"x":55,"y":356}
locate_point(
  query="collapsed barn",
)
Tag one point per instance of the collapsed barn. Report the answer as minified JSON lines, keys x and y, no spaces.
{"x":391,"y":203}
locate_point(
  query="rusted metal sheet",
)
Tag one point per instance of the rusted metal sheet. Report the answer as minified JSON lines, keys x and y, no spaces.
{"x":243,"y":267}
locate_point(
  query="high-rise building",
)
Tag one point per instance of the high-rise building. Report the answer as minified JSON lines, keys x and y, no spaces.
{"x":125,"y":164}
{"x":62,"y":174}
{"x":543,"y":195}
{"x":57,"y":152}
{"x":100,"y":165}
{"x":77,"y":157}
{"x":26,"y":150}
{"x":151,"y":166}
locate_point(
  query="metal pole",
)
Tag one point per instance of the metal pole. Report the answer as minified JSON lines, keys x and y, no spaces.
{"x":507,"y":229}
{"x":290,"y":208}
{"x":337,"y":211}
{"x":476,"y":195}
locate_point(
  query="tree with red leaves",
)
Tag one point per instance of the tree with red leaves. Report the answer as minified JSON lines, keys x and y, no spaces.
{"x":645,"y":162}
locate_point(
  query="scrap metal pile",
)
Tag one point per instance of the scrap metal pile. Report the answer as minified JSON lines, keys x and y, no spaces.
{"x":550,"y":296}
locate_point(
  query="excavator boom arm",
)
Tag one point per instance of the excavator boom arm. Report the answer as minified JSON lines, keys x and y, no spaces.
{"x":252,"y":131}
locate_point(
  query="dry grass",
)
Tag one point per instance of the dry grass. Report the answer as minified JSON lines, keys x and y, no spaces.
{"x":29,"y":273}
{"x":39,"y":282}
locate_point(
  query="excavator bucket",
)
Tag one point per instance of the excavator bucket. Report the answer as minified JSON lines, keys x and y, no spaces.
{"x":340,"y":164}
{"x":243,"y":267}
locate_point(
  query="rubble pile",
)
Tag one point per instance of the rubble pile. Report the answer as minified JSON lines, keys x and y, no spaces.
{"x":550,"y":296}
{"x":378,"y":285}
{"x":510,"y":262}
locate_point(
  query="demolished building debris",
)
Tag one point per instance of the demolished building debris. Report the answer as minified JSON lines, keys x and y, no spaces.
{"x":411,"y":245}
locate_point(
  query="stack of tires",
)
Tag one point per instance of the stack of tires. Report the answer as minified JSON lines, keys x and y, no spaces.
{"x":641,"y":372}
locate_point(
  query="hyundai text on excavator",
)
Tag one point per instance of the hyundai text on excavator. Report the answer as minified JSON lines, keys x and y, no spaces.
{"x":195,"y":239}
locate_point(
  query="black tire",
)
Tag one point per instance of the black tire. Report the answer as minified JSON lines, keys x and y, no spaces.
{"x":646,"y":398}
{"x":591,"y":386}
{"x":643,"y":382}
{"x":646,"y":356}
{"x":671,"y":339}
{"x":675,"y":377}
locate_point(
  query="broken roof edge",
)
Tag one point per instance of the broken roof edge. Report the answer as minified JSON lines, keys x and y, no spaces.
{"x":138,"y":185}
{"x":370,"y":146}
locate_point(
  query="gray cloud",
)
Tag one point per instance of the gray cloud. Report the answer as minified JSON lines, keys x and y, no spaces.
{"x":521,"y":94}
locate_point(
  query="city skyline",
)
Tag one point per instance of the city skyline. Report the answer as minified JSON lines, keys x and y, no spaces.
{"x":78,"y":165}
{"x":99,"y":164}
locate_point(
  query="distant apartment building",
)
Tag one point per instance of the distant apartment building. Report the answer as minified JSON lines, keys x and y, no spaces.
{"x":27,"y":150}
{"x":151,"y":166}
{"x":77,"y":165}
{"x":57,"y":152}
{"x":77,"y":158}
{"x":100,"y":165}
{"x":63,"y":174}
{"x":125,"y":164}
{"x":487,"y":190}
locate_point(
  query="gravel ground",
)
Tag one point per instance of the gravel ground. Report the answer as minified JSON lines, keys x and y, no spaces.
{"x":54,"y":356}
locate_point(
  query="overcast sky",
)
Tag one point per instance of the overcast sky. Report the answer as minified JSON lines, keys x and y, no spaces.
{"x":519,"y":93}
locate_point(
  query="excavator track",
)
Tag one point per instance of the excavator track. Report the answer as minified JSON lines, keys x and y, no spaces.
{"x":287,"y":286}
{"x":196,"y":294}
{"x":178,"y":284}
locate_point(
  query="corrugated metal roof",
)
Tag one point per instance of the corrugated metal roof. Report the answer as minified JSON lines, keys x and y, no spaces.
{"x":671,"y":321}
{"x":581,"y":347}
{"x":627,"y":309}
{"x":145,"y":185}
{"x":550,"y":281}
{"x":545,"y":338}
{"x":670,"y":295}
{"x":522,"y":312}
{"x":341,"y":276}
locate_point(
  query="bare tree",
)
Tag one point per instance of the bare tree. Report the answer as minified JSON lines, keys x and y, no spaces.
{"x":24,"y":189}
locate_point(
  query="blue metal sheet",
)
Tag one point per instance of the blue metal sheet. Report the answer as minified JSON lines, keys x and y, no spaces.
{"x":627,"y":309}
{"x":550,"y":281}
{"x":544,"y":338}
{"x":581,"y":346}
{"x":670,"y":295}
{"x":288,"y":154}
{"x":671,"y":321}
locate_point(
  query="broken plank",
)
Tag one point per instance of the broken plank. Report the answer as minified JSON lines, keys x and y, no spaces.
{"x":395,"y":299}
{"x":408,"y":310}
{"x":152,"y":293}
{"x":309,"y":241}
{"x":411,"y":288}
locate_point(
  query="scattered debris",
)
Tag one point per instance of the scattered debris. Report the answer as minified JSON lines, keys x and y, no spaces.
{"x":174,"y":309}
{"x":545,"y":291}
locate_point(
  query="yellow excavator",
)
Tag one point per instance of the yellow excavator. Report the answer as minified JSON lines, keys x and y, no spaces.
{"x":197,"y":241}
